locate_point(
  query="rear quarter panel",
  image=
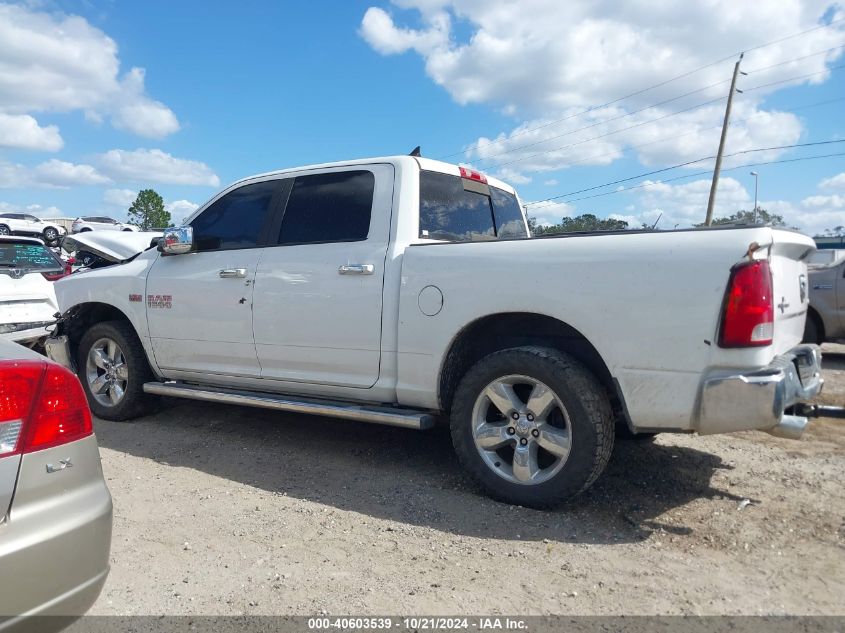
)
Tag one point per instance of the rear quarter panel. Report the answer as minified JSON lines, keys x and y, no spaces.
{"x":649,"y":303}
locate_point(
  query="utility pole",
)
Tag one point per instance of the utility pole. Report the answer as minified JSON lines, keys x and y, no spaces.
{"x":756,"y":181}
{"x":713,"y":185}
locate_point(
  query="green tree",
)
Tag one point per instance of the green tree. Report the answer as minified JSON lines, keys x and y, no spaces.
{"x":747,"y":217}
{"x":585,"y":222}
{"x":148,"y":211}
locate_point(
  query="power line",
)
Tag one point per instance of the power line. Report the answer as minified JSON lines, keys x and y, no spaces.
{"x":685,"y":164}
{"x":783,"y":81}
{"x":597,"y":123}
{"x":647,"y":89}
{"x":696,"y":130}
{"x":701,"y":173}
{"x":640,"y":124}
{"x":622,"y":129}
{"x":794,"y":59}
{"x":587,"y":110}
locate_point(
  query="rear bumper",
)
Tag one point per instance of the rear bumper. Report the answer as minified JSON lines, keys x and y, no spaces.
{"x":758,"y":399}
{"x":54,"y":546}
{"x":58,"y":350}
{"x":25,"y":332}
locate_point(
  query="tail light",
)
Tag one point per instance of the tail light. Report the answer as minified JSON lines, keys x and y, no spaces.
{"x":748,"y":317}
{"x":68,"y":269}
{"x":56,"y":276}
{"x":41,"y":405}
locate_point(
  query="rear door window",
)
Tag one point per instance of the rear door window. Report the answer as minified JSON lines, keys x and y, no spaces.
{"x":450,"y":212}
{"x":332,"y":207}
{"x":27,"y":256}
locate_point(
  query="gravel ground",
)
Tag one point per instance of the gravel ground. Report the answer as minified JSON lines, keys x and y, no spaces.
{"x":226,"y":510}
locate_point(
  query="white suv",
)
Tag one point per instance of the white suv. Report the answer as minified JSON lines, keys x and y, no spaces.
{"x":99,"y":223}
{"x":25,"y":224}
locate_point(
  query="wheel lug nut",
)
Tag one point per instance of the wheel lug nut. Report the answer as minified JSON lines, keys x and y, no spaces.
{"x":523,"y":442}
{"x":530,"y":417}
{"x":515,"y":415}
{"x":511,"y":430}
{"x":535,"y":433}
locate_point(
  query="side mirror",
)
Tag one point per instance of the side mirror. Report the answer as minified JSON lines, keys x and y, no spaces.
{"x":176,"y":240}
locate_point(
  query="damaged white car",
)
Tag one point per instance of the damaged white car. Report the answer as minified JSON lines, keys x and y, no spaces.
{"x":27,"y":297}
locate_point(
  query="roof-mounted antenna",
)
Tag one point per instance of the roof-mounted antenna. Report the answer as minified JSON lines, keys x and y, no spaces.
{"x":416,"y":151}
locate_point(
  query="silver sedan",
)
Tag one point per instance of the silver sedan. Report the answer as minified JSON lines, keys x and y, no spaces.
{"x":55,"y":509}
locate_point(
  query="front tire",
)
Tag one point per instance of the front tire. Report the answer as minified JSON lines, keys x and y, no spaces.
{"x":50,"y":234}
{"x":4,"y":230}
{"x":113,"y":369}
{"x":532,"y":425}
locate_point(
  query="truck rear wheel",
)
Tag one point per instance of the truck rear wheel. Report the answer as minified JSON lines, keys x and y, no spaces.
{"x":532,"y":425}
{"x":113,"y":369}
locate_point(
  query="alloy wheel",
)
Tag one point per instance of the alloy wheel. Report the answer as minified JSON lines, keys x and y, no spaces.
{"x":106,"y":372}
{"x":521,"y":429}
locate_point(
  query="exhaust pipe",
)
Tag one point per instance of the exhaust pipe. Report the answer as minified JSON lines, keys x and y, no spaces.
{"x":791,"y":427}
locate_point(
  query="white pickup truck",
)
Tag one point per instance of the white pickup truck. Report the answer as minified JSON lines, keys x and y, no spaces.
{"x":401,"y":290}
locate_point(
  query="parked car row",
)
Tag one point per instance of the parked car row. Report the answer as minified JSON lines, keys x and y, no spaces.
{"x":100,"y":223}
{"x":51,"y":231}
{"x":25,"y":224}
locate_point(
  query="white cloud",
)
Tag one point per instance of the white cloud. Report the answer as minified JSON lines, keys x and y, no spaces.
{"x":181,"y":209}
{"x":37,"y":210}
{"x":821,"y":202}
{"x":137,"y":113}
{"x":22,"y":131}
{"x":547,"y":61}
{"x":834,"y":182}
{"x":550,"y":212}
{"x":684,"y":205}
{"x":59,"y":173}
{"x":156,"y":166}
{"x":580,"y":53}
{"x":52,"y":174}
{"x":53,"y":62}
{"x":122,"y":198}
{"x":381,"y":33}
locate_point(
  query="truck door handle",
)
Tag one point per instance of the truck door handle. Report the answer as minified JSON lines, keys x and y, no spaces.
{"x":236,"y":273}
{"x":356,"y":269}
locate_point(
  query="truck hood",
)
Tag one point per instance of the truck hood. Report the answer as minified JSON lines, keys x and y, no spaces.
{"x":114,"y":246}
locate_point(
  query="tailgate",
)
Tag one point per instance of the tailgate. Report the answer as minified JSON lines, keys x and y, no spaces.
{"x":788,"y":256}
{"x":30,"y":299}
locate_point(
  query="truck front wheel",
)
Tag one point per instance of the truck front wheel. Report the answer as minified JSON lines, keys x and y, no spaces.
{"x":113,"y":369}
{"x":532,"y":425}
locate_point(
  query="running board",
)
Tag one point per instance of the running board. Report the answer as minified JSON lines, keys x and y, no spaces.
{"x":405,"y":418}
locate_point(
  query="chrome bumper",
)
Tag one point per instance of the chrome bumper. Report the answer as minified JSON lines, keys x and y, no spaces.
{"x":58,"y":349}
{"x":759,"y":399}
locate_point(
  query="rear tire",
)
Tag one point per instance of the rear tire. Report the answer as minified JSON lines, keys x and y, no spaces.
{"x":4,"y":230}
{"x":811,"y":330}
{"x":113,"y":368}
{"x":560,"y":441}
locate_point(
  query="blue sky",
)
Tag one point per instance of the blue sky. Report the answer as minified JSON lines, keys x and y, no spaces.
{"x":99,"y":99}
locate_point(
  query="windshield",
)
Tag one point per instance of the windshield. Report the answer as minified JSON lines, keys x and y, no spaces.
{"x":28,"y":256}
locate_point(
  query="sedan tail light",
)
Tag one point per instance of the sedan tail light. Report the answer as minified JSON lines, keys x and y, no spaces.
{"x":748,"y":315}
{"x":41,"y":405}
{"x":57,"y":275}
